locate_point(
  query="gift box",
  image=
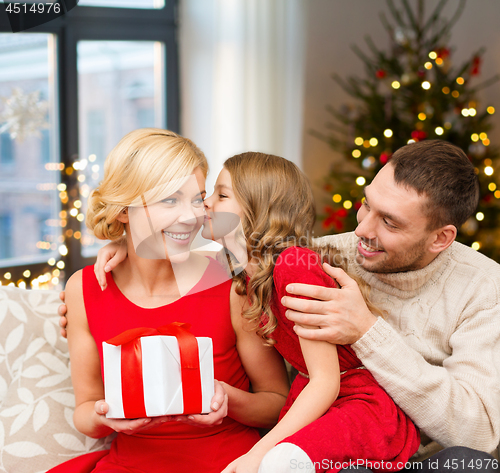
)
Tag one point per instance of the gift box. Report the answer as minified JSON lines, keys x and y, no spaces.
{"x":154,"y":372}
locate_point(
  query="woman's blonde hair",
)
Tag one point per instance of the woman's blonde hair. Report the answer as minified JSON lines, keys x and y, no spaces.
{"x":144,"y":160}
{"x":278,"y":212}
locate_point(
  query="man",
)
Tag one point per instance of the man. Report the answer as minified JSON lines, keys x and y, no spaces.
{"x":437,"y":351}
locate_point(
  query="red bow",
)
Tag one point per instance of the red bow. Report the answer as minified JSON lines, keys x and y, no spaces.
{"x":131,"y":359}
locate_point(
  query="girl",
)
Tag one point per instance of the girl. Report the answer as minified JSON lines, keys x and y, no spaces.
{"x":336,"y":412}
{"x":153,"y":189}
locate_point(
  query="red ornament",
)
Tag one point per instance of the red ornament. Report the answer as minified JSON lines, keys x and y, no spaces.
{"x":335,"y":218}
{"x":443,"y":53}
{"x":419,"y":135}
{"x":380,"y":74}
{"x":421,"y":73}
{"x":476,"y":62}
{"x":384,"y":157}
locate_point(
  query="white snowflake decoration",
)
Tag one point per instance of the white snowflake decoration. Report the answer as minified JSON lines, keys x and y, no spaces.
{"x":23,"y":114}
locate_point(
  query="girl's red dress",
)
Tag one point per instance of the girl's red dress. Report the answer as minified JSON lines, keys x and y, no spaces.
{"x":174,"y":446}
{"x":363,"y":426}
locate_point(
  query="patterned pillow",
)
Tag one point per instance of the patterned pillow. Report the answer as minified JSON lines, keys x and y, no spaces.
{"x":36,"y":395}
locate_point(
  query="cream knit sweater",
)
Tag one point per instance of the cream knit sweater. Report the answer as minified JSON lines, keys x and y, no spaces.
{"x":437,"y":353}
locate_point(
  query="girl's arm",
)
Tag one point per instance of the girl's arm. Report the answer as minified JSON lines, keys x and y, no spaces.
{"x":321,"y":359}
{"x":90,"y":408}
{"x":314,"y":400}
{"x":108,"y":258}
{"x":265,"y":369}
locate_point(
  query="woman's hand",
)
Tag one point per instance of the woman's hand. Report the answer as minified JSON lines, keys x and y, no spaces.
{"x":108,"y":258}
{"x":248,"y":463}
{"x":219,"y":407}
{"x":127,"y":426}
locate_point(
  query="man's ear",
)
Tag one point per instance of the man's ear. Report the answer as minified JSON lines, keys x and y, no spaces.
{"x":123,"y":216}
{"x":444,"y":237}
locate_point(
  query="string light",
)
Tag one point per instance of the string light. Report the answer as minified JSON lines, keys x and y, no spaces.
{"x":396,"y":85}
{"x":491,"y":110}
{"x":488,"y":170}
{"x":428,"y":65}
{"x":460,"y":80}
{"x":356,"y":153}
{"x":388,"y":133}
{"x":373,"y":142}
{"x":474,"y":137}
{"x":480,"y":216}
{"x":426,"y":85}
{"x":337,"y":198}
{"x":476,"y":245}
{"x":433,"y":55}
{"x":439,"y":130}
{"x":360,"y":181}
{"x":347,"y":204}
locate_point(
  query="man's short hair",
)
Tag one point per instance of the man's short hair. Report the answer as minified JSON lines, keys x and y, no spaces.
{"x":442,"y":172}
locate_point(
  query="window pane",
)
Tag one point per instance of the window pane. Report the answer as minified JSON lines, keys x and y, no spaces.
{"x":119,"y":90}
{"x":29,"y":173}
{"x":123,"y":3}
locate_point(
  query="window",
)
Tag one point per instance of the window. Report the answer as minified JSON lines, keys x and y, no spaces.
{"x":5,"y":236}
{"x":82,"y":81}
{"x":6,"y":149}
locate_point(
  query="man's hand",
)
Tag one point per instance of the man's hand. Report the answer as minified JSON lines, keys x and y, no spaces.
{"x":61,"y":310}
{"x":341,"y":314}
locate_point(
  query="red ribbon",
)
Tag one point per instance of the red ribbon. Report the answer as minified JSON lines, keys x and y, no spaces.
{"x":131,"y":359}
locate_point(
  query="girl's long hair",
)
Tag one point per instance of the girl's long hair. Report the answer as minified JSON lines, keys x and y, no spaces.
{"x":278,"y":212}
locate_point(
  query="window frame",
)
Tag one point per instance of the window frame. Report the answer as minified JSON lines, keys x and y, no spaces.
{"x":105,"y":24}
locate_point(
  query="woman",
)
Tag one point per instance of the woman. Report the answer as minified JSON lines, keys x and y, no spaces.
{"x":153,"y":189}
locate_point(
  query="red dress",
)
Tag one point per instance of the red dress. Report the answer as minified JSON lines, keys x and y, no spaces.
{"x":364,"y":423}
{"x":173,"y":446}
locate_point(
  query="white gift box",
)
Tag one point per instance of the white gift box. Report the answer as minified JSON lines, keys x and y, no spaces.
{"x":161,"y":376}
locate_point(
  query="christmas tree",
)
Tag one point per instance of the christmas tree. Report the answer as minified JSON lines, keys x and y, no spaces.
{"x":413,"y":92}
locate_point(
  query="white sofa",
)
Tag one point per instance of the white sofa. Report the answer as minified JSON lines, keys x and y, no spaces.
{"x":36,"y":395}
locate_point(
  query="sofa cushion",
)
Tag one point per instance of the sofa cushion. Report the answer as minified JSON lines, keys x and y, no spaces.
{"x":36,"y":395}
